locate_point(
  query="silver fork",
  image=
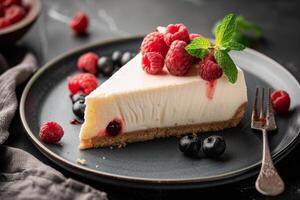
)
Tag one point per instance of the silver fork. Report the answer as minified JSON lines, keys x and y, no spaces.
{"x":268,"y":181}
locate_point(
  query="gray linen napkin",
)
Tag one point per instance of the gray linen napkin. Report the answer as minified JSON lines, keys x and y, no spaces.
{"x":21,"y":175}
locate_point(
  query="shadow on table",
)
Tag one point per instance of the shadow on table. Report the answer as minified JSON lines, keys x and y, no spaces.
{"x":14,"y":54}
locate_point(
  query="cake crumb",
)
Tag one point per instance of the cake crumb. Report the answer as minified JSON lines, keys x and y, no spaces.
{"x":81,"y":161}
{"x":103,"y":158}
{"x":111,"y":147}
{"x":97,"y":166}
{"x":121,"y":145}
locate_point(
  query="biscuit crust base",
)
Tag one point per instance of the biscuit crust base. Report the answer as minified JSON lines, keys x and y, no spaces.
{"x":150,"y":134}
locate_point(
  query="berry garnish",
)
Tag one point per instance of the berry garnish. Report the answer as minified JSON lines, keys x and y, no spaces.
{"x":176,"y":32}
{"x":190,"y":145}
{"x":51,"y":132}
{"x":281,"y":101}
{"x":125,"y":58}
{"x":2,"y":11}
{"x":154,"y":42}
{"x":209,"y":69}
{"x":79,"y":23}
{"x":224,"y":42}
{"x":15,"y":13}
{"x":178,"y":61}
{"x":4,"y":22}
{"x":88,"y":62}
{"x":214,"y":146}
{"x":84,"y":82}
{"x":106,"y":65}
{"x":116,"y":58}
{"x":79,"y":95}
{"x":114,"y":128}
{"x":153,"y":62}
{"x":78,"y":108}
{"x":194,"y":36}
{"x":8,"y":3}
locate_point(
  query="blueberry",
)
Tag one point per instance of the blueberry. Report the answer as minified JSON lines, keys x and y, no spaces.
{"x":125,"y":57}
{"x":114,"y":128}
{"x":108,"y":70}
{"x":78,"y":109}
{"x":106,"y":66}
{"x":77,"y":96}
{"x":116,"y":58}
{"x":190,"y":145}
{"x":214,"y":146}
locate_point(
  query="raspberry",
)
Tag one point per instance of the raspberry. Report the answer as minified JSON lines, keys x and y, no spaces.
{"x":15,"y":13}
{"x":153,"y":62}
{"x":4,"y":23}
{"x":79,"y":23}
{"x":8,"y":3}
{"x":176,"y":32}
{"x":88,"y":62}
{"x":194,"y":36}
{"x":1,"y":10}
{"x":51,"y":132}
{"x":84,"y":82}
{"x":154,"y":42}
{"x":209,"y":69}
{"x":178,"y":61}
{"x":281,"y":101}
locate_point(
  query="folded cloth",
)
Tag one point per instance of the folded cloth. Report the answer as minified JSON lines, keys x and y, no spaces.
{"x":8,"y":82}
{"x":21,"y":175}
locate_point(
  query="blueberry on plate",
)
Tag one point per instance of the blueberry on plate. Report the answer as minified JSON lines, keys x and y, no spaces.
{"x":79,"y":95}
{"x":105,"y":65}
{"x":78,"y":109}
{"x":125,"y":57}
{"x":116,"y":58}
{"x":190,"y":145}
{"x":214,"y":146}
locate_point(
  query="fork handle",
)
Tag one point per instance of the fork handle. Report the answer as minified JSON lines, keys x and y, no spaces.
{"x":268,"y":181}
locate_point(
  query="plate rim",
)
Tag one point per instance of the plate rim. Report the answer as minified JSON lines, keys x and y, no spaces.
{"x":83,"y":169}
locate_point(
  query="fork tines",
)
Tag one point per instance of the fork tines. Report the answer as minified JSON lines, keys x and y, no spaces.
{"x":265,"y":119}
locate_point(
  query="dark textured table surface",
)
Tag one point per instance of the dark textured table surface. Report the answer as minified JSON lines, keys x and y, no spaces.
{"x":50,"y":37}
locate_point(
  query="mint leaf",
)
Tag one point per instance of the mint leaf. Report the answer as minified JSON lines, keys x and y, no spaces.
{"x":198,"y":47}
{"x":242,"y":39}
{"x":198,"y":53}
{"x":233,"y":45}
{"x":225,"y":29}
{"x":227,"y":65}
{"x":198,"y":43}
{"x":246,"y":31}
{"x":248,"y":27}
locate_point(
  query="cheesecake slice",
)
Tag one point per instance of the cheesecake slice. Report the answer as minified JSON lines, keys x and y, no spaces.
{"x":133,"y":106}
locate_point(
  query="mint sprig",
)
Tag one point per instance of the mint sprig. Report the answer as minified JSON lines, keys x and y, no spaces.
{"x":198,"y":47}
{"x":248,"y":28}
{"x":233,"y":45}
{"x":227,"y":65}
{"x":246,"y":31}
{"x":224,"y":42}
{"x":225,"y":30}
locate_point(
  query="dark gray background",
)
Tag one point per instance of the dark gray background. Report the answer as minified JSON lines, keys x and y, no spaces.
{"x":50,"y":37}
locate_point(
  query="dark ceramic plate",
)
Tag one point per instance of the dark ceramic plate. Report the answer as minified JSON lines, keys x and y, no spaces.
{"x":157,"y":163}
